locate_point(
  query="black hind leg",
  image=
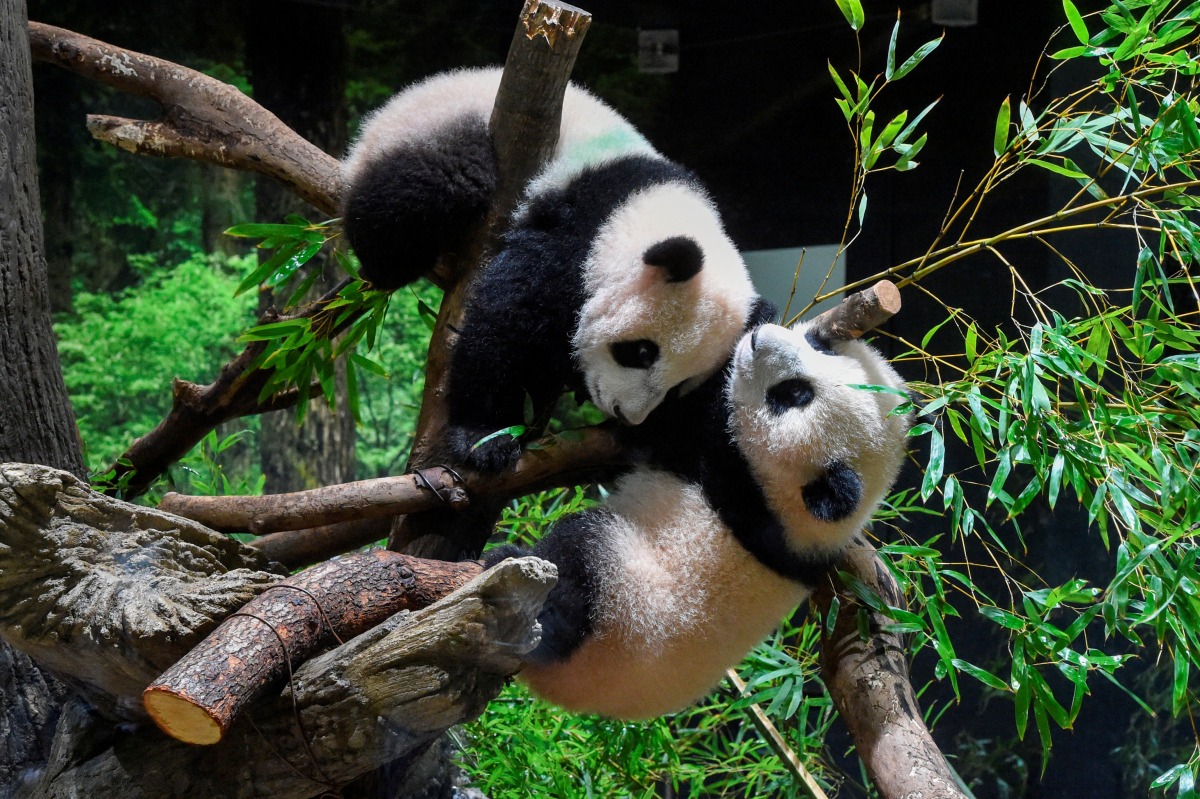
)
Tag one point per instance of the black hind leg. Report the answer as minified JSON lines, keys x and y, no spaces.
{"x":404,"y":209}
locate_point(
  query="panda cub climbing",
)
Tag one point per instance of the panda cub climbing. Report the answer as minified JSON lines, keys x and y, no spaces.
{"x":614,"y":278}
{"x":751,"y":488}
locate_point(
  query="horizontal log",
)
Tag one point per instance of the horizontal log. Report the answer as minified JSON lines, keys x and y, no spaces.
{"x":198,"y":698}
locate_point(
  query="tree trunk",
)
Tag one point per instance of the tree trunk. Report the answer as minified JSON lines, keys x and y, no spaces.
{"x":36,"y":422}
{"x":296,"y":55}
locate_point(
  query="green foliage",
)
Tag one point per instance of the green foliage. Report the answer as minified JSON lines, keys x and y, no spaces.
{"x":1091,"y":401}
{"x":300,"y":350}
{"x":119,"y":352}
{"x":388,"y":407}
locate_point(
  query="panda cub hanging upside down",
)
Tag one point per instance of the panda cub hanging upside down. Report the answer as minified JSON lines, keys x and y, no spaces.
{"x":752,"y":486}
{"x":614,"y":277}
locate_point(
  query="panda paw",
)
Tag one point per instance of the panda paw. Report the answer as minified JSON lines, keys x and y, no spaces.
{"x":493,"y":456}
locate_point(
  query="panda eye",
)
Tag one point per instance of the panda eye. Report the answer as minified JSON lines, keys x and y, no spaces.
{"x":821,"y":343}
{"x":639,"y":354}
{"x":794,"y":393}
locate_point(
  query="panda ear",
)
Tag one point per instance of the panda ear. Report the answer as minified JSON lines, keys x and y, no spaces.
{"x":680,"y":256}
{"x":834,"y":495}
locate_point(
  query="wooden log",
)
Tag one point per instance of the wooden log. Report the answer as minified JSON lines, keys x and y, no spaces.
{"x":198,"y":698}
{"x":860,"y":312}
{"x":379,"y":699}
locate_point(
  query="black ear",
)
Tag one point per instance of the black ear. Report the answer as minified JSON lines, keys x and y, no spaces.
{"x":680,"y":256}
{"x":834,"y":495}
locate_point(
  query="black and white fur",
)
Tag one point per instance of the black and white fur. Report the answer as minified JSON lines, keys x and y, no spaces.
{"x":752,"y":487}
{"x":615,"y":277}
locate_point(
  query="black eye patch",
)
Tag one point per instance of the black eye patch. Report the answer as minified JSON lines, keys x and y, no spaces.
{"x":819,"y":342}
{"x":639,"y":354}
{"x":834,"y":495}
{"x":794,"y":393}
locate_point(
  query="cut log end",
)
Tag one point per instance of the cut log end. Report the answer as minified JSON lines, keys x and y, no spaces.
{"x":860,"y":312}
{"x":181,"y":718}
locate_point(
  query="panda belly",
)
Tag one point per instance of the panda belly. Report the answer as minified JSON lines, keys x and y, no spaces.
{"x":679,"y":601}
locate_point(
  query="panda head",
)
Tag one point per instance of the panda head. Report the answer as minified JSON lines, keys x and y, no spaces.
{"x":824,"y":450}
{"x":667,"y":296}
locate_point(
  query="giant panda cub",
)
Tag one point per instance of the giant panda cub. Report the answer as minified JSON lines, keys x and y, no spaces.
{"x":752,"y":486}
{"x":615,"y":277}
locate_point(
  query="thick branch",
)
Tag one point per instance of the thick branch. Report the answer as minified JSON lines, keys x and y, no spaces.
{"x":859,"y":312}
{"x":869,"y":682}
{"x":197,"y":699}
{"x":203,"y":118}
{"x":559,"y":463}
{"x":524,"y":125}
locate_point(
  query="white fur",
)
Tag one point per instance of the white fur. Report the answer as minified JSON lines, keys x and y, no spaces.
{"x":591,"y":131}
{"x":842,"y":423}
{"x":682,"y":602}
{"x":694,"y":322}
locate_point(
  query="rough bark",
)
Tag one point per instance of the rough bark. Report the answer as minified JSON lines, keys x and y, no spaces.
{"x":35,"y":416}
{"x":113,"y":593}
{"x":870,"y":684}
{"x":36,"y":422}
{"x":198,"y":698}
{"x":109,"y":594}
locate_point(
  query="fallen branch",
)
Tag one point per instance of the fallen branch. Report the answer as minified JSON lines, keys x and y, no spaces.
{"x":197,"y":699}
{"x":870,"y":684}
{"x":296,"y":549}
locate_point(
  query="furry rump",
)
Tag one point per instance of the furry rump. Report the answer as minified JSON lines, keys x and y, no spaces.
{"x":413,"y":204}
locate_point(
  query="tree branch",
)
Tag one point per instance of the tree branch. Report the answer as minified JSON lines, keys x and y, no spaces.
{"x":870,"y":684}
{"x":203,"y":118}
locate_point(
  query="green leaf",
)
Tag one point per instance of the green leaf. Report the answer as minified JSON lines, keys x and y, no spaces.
{"x":890,"y":69}
{"x":1077,"y":23}
{"x":262,"y":231}
{"x":515,"y":431}
{"x":1003,"y":118}
{"x":852,"y":10}
{"x":1059,"y":169}
{"x":985,"y":677}
{"x":916,"y":58}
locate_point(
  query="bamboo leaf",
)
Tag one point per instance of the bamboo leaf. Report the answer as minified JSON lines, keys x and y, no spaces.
{"x":852,"y":10}
{"x":1077,"y":24}
{"x":916,"y":58}
{"x":1000,"y":140}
